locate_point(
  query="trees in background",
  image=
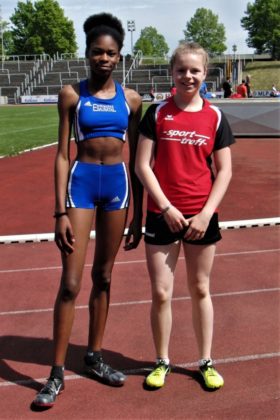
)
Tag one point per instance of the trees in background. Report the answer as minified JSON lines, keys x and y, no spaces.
{"x":151,"y":43}
{"x":41,"y":28}
{"x":205,"y":29}
{"x":262,"y":21}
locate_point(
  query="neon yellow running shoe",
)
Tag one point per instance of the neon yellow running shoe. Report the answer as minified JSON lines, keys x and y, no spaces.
{"x":156,"y":378}
{"x":212,"y":378}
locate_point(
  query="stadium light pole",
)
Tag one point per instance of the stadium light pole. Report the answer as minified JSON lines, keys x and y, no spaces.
{"x":2,"y":37}
{"x":131,"y":28}
{"x":234,"y":78}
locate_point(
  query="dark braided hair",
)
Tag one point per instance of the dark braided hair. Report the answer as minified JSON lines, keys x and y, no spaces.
{"x":103,"y":24}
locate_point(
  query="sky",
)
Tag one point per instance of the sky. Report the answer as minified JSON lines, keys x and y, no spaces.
{"x":169,"y":17}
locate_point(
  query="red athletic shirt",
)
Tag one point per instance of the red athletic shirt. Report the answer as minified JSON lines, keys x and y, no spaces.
{"x":184,"y":144}
{"x":242,"y":90}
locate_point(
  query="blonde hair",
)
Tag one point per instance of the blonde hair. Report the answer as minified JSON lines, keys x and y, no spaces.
{"x":189,"y":47}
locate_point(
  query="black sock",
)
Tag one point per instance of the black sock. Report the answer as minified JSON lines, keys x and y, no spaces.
{"x":57,"y":372}
{"x":92,"y":356}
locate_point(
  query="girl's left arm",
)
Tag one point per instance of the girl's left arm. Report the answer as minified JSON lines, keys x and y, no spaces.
{"x":199,"y":223}
{"x":222,"y":159}
{"x":135,"y":227}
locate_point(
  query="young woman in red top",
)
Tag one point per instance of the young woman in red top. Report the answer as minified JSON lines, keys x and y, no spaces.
{"x":178,"y":139}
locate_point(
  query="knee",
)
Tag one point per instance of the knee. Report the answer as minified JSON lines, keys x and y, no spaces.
{"x":161,"y":296}
{"x":101,"y":280}
{"x":199,"y":289}
{"x":69,"y":290}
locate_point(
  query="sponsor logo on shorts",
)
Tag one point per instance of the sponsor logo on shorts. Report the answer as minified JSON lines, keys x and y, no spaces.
{"x":151,"y":235}
{"x":115,"y":200}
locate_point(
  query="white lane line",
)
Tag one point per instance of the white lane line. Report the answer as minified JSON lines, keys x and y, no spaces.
{"x":148,"y":301}
{"x":58,"y":267}
{"x":136,"y":371}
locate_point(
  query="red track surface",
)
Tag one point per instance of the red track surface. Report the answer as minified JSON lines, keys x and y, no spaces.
{"x":245,"y":289}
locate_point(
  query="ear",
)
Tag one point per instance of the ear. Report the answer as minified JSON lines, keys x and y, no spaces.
{"x":205,"y":72}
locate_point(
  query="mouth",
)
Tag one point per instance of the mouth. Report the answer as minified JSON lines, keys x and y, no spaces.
{"x":105,"y":67}
{"x":188,"y":85}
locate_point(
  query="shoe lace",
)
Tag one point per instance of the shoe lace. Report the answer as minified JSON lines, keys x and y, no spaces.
{"x":49,"y":388}
{"x":211,"y":371}
{"x":106,"y":368}
{"x":159,"y":370}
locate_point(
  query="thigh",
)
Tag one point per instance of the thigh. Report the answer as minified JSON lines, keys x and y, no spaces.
{"x":199,"y":262}
{"x":161,"y":262}
{"x":110,"y":227}
{"x":73,"y":264}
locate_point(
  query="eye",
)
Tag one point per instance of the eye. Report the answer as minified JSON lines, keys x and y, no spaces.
{"x":112,"y":53}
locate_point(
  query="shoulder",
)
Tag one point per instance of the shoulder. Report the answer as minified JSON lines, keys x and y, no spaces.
{"x":69,"y":94}
{"x":133,"y":99}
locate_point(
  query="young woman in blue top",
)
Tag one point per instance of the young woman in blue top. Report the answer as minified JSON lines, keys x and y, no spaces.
{"x":103,"y":115}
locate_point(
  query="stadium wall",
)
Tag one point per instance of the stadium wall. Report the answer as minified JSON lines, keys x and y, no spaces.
{"x":255,"y":117}
{"x":252,"y":117}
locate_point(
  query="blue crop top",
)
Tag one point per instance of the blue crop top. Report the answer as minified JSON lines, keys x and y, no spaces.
{"x":95,"y":117}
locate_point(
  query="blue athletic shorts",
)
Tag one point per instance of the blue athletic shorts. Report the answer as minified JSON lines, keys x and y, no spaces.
{"x":93,"y":185}
{"x":157,"y":231}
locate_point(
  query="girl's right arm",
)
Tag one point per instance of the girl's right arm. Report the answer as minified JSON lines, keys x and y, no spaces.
{"x":144,"y":159}
{"x":63,"y":230}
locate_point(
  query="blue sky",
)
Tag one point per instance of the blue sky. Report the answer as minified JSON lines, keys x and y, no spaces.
{"x":169,"y":17}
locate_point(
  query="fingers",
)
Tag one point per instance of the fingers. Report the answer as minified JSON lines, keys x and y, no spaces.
{"x":194,"y":235}
{"x":132,"y":240}
{"x":65,"y":241}
{"x":177,"y":224}
{"x":195,"y":230}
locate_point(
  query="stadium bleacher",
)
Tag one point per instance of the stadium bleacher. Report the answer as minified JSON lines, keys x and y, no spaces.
{"x":46,"y":77}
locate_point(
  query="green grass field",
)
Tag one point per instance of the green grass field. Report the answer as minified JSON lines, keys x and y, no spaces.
{"x":263,"y":74}
{"x":27,"y":126}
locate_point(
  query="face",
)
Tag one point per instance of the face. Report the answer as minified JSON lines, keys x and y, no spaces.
{"x":103,"y":55}
{"x":188,"y":72}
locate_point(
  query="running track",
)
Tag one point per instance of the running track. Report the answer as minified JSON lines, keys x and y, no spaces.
{"x":245,"y":289}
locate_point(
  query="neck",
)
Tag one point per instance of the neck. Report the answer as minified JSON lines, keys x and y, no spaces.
{"x":101,"y":85}
{"x":189,"y":103}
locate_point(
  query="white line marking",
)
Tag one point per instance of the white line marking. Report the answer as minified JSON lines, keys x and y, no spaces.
{"x":147,"y":301}
{"x":228,"y":225}
{"x":58,"y":267}
{"x":225,"y":361}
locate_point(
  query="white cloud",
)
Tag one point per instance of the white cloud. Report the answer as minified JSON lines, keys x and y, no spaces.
{"x":168,"y":17}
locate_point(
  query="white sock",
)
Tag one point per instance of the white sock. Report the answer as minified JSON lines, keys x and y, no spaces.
{"x":202,"y":362}
{"x":165,"y":360}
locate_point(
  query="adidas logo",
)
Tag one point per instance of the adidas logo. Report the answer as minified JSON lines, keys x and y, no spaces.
{"x":115,"y":200}
{"x":88,"y":103}
{"x":169,"y":117}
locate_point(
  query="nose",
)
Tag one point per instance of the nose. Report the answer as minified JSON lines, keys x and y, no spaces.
{"x":104,"y":56}
{"x":188,"y":74}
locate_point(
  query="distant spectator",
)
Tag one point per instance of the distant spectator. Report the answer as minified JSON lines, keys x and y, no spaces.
{"x":152,"y":94}
{"x":248,"y":85}
{"x":227,"y":87}
{"x":203,"y":90}
{"x":274,"y":92}
{"x":242,"y":89}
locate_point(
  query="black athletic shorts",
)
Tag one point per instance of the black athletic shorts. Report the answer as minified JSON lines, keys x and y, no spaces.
{"x":157,"y":231}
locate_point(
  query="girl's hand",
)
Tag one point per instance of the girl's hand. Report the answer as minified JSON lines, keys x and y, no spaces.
{"x":175,"y":219}
{"x":134,"y":235}
{"x":198,"y":225}
{"x":64,"y":236}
